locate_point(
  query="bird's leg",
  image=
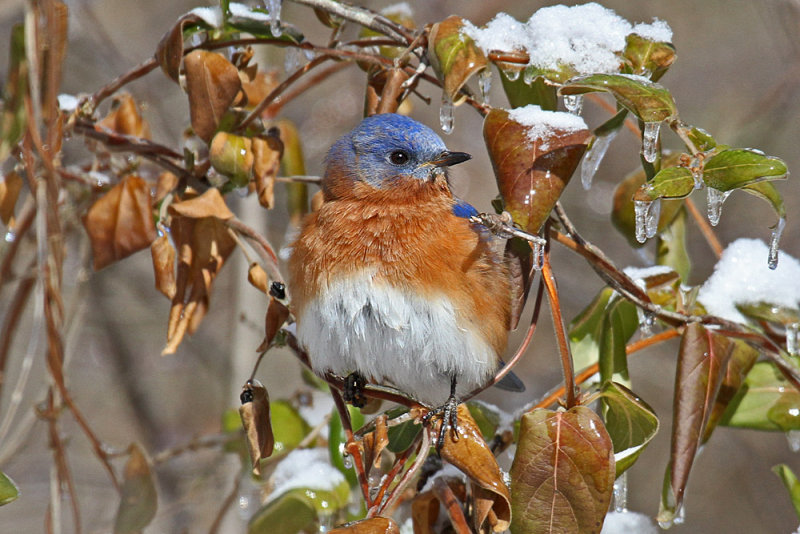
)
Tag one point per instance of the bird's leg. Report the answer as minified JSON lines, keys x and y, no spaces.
{"x":354,"y":389}
{"x":449,"y":412}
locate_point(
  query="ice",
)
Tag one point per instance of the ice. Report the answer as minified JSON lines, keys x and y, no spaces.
{"x":543,"y":124}
{"x":67,"y":103}
{"x":588,"y":38}
{"x":793,"y":438}
{"x":697,"y":175}
{"x":792,"y":331}
{"x":274,"y":8}
{"x":774,"y":241}
{"x":574,"y":103}
{"x":619,"y":501}
{"x":646,"y":218}
{"x":627,"y":523}
{"x":485,"y":85}
{"x":741,"y":276}
{"x":677,"y":519}
{"x":446,"y":114}
{"x":538,"y":255}
{"x":10,"y":236}
{"x":594,"y":155}
{"x":243,"y":11}
{"x":210,"y":15}
{"x":640,"y":273}
{"x":293,"y":59}
{"x":512,"y":73}
{"x":528,"y":75}
{"x":650,"y":141}
{"x":305,"y":468}
{"x":715,"y":200}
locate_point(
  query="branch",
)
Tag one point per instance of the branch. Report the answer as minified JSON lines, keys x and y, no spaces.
{"x":364,"y":17}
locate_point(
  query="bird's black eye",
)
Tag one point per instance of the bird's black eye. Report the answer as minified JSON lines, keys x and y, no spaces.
{"x":399,"y":157}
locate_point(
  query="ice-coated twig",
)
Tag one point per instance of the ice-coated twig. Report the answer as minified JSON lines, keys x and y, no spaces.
{"x":501,"y":226}
{"x":359,"y":15}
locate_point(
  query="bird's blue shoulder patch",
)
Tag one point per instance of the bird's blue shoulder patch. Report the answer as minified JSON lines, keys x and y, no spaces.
{"x":464,"y":209}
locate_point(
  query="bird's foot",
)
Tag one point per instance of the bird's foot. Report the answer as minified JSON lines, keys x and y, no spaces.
{"x":449,"y":413}
{"x":354,"y":390}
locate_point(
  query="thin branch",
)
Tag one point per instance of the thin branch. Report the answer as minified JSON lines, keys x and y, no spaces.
{"x":263,"y":247}
{"x":399,"y":463}
{"x":351,"y":446}
{"x":112,"y":87}
{"x":705,"y":228}
{"x":361,"y":16}
{"x":451,"y":504}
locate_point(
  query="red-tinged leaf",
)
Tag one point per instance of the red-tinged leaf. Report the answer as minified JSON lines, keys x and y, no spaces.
{"x":169,"y":52}
{"x":646,"y":57}
{"x":519,"y":258}
{"x":372,"y":525}
{"x":562,"y":476}
{"x":163,"y":255}
{"x":125,"y":118}
{"x":531,"y":174}
{"x":254,"y":412}
{"x":139,"y":499}
{"x":454,"y":56}
{"x":267,"y":154}
{"x":702,"y":359}
{"x":741,"y":361}
{"x":120,"y":222}
{"x":212,"y":83}
{"x":209,"y":204}
{"x":10,"y":186}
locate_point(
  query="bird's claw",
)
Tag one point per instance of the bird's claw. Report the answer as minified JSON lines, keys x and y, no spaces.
{"x":449,"y":413}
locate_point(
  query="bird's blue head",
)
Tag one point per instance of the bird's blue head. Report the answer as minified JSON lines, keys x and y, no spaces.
{"x":384,"y":150}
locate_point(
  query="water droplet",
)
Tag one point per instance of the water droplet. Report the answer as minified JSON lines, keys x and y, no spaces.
{"x":274,"y":7}
{"x":485,"y":84}
{"x":650,"y":141}
{"x":792,"y":339}
{"x":595,"y":154}
{"x":793,"y":437}
{"x":347,"y":460}
{"x":715,"y":200}
{"x":512,"y":73}
{"x":446,"y":114}
{"x":527,"y":76}
{"x":620,"y":497}
{"x":293,"y":59}
{"x":697,"y":175}
{"x":310,"y":54}
{"x":774,"y":243}
{"x":538,"y":255}
{"x":574,"y":103}
{"x":646,"y":216}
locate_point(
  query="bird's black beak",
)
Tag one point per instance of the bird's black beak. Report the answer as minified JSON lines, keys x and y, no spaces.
{"x":448,"y":158}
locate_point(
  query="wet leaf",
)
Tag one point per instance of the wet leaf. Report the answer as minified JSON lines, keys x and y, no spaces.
{"x":209,"y":204}
{"x":291,"y":513}
{"x":735,"y":168}
{"x":741,"y":361}
{"x":257,"y":24}
{"x":139,"y":499}
{"x":584,"y":330}
{"x":372,"y":525}
{"x":267,"y":154}
{"x":672,"y":247}
{"x":531,"y":174}
{"x":472,"y":456}
{"x":165,"y":184}
{"x":125,"y":118}
{"x":288,"y":427}
{"x":648,"y":58}
{"x":519,"y":259}
{"x":232,"y":155}
{"x":631,"y":423}
{"x":212,"y":83}
{"x":789,"y":480}
{"x":669,"y":182}
{"x":766,"y":401}
{"x":163,"y":255}
{"x":254,"y":413}
{"x":10,"y":187}
{"x":649,"y":101}
{"x":562,"y":476}
{"x":401,"y":436}
{"x":9,"y":491}
{"x":337,"y":439}
{"x":702,"y":360}
{"x":619,"y":323}
{"x":766,"y":191}
{"x":765,"y":311}
{"x":120,"y":222}
{"x":169,"y":52}
{"x":701,"y":139}
{"x":13,"y":117}
{"x":485,"y":416}
{"x":521,"y":94}
{"x":454,"y":56}
{"x":374,"y":443}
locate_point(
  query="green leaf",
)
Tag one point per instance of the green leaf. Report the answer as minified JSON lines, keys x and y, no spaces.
{"x":290,"y":513}
{"x":9,"y":491}
{"x":139,"y":499}
{"x":649,"y":101}
{"x":401,"y":436}
{"x":671,"y":250}
{"x":13,"y":116}
{"x":669,"y":182}
{"x":619,"y":324}
{"x":767,"y":191}
{"x":630,"y":422}
{"x":738,"y":167}
{"x":453,"y":55}
{"x":486,"y":417}
{"x":521,"y":94}
{"x":702,"y":140}
{"x":767,"y":401}
{"x":562,"y":476}
{"x":257,"y":24}
{"x":288,"y":427}
{"x":764,"y":311}
{"x":612,"y":125}
{"x":646,"y":57}
{"x":336,"y":439}
{"x":557,"y":76}
{"x":584,"y":330}
{"x":789,"y":480}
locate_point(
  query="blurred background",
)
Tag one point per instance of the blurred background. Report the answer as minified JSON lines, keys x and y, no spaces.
{"x":736,"y":76}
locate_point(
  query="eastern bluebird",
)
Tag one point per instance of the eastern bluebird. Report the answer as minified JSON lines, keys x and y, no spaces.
{"x":389,"y":278}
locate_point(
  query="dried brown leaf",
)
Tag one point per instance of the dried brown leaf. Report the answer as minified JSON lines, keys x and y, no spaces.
{"x":163,"y":255}
{"x":425,"y":513}
{"x":212,"y":83}
{"x":261,"y":86}
{"x":258,"y":278}
{"x":165,"y":184}
{"x":277,"y":313}
{"x":169,"y":52}
{"x":375,"y":442}
{"x":120,"y":222}
{"x":125,"y":118}
{"x":372,"y":525}
{"x":209,"y":204}
{"x":267,"y":154}
{"x":254,"y":412}
{"x":10,"y":186}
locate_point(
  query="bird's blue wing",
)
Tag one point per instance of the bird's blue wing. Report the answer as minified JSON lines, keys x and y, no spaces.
{"x":465,"y":210}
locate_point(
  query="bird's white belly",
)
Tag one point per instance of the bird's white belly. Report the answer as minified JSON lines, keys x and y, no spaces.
{"x":386,"y":333}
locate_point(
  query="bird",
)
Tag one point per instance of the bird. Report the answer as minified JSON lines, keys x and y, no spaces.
{"x":390,"y":281}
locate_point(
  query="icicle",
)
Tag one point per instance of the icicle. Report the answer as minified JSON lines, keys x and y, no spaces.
{"x":10,"y":236}
{"x":697,"y":175}
{"x":792,"y":332}
{"x":650,"y":141}
{"x":310,"y":54}
{"x":446,"y":114}
{"x":293,"y":59}
{"x":646,"y":214}
{"x":485,"y":84}
{"x":793,"y":437}
{"x":593,"y":157}
{"x":715,"y":200}
{"x":511,"y":72}
{"x":574,"y":103}
{"x":620,"y":498}
{"x":538,"y":255}
{"x":651,"y":221}
{"x":274,"y":7}
{"x":527,"y":76}
{"x":774,"y":242}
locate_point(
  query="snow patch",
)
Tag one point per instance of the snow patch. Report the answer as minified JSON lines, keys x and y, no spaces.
{"x":627,"y":522}
{"x":640,"y":273}
{"x":305,"y":468}
{"x":543,"y":124}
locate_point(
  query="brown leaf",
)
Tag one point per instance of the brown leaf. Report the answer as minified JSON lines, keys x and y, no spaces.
{"x":165,"y":184}
{"x":277,"y":313}
{"x":425,"y":512}
{"x":258,"y":278}
{"x":371,"y":525}
{"x":563,"y":472}
{"x":209,"y":204}
{"x":472,"y":456}
{"x":10,"y":186}
{"x":375,"y":442}
{"x":169,"y":52}
{"x":254,"y":412}
{"x":120,"y":222}
{"x":163,"y":256}
{"x":125,"y":118}
{"x":261,"y":86}
{"x":139,"y":500}
{"x":267,"y":154}
{"x":212,"y":83}
{"x":454,"y":56}
{"x":531,"y":174}
{"x":519,"y":259}
{"x":741,"y":360}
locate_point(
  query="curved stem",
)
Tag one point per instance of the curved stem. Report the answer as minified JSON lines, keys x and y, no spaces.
{"x":561,"y":334}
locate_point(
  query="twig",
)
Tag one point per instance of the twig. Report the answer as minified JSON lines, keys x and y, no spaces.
{"x":64,"y":474}
{"x":299,"y":179}
{"x":399,"y":463}
{"x":502,"y":226}
{"x":112,"y":87}
{"x":352,"y":447}
{"x":197,"y":443}
{"x":422,"y":454}
{"x":263,"y":248}
{"x":361,"y":16}
{"x":451,"y":504}
{"x":705,"y":228}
